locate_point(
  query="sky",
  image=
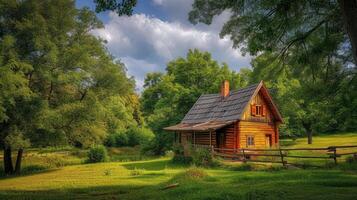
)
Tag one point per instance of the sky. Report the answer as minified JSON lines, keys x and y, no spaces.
{"x":159,"y":32}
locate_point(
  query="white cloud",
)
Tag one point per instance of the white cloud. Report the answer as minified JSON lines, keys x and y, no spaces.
{"x":145,"y":43}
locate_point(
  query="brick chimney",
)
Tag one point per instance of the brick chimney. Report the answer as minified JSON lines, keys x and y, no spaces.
{"x":225,"y":88}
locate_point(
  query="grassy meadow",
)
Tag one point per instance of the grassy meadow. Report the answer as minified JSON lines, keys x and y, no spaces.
{"x":132,"y":176}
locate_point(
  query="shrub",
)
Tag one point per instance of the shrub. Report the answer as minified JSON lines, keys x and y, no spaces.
{"x":97,"y":154}
{"x":202,"y":157}
{"x":139,"y":135}
{"x":191,"y":174}
{"x":179,"y":157}
{"x":117,"y":139}
{"x":131,"y":137}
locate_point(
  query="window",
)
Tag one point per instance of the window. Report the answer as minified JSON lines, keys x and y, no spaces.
{"x":250,"y":140}
{"x":258,"y":110}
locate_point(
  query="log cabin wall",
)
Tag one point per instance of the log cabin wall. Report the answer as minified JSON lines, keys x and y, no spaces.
{"x":259,"y":130}
{"x":226,"y":137}
{"x":202,"y":138}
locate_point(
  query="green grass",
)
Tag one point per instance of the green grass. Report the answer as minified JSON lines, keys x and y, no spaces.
{"x":116,"y":180}
{"x":322,"y":141}
{"x":146,"y":179}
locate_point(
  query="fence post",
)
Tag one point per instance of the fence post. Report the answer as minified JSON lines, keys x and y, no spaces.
{"x":282,"y":157}
{"x":334,"y":155}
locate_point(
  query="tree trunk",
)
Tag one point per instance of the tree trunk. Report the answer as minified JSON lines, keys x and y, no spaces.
{"x":309,"y":137}
{"x":308,"y":129}
{"x":18,"y":161}
{"x":8,"y":168}
{"x":349,"y":14}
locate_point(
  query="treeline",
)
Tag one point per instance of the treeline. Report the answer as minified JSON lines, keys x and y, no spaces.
{"x":58,"y":83}
{"x":323,"y":101}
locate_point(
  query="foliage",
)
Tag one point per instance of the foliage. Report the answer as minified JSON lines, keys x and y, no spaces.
{"x":59,"y":85}
{"x":121,"y":7}
{"x":281,"y":26}
{"x":139,"y":135}
{"x":116,"y":140}
{"x":179,"y":157}
{"x":314,"y":79}
{"x":193,"y":173}
{"x":97,"y":154}
{"x":202,"y":157}
{"x":167,"y":97}
{"x":132,"y":137}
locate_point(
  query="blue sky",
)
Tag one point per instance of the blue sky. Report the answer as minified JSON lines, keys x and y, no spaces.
{"x":159,"y":32}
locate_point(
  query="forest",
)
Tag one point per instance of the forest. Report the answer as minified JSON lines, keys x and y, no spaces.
{"x":59,"y":85}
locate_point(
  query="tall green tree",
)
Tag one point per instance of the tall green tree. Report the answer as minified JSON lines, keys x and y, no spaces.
{"x":168,"y":97}
{"x":280,"y":25}
{"x":303,"y":40}
{"x":58,"y":82}
{"x":309,"y":105}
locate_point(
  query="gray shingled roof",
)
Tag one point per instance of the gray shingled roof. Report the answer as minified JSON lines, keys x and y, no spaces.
{"x":213,"y":107}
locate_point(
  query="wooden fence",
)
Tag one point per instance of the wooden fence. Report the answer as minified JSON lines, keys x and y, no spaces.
{"x":283,"y":155}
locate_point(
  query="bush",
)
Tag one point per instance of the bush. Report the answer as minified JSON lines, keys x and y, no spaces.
{"x":97,"y":154}
{"x":202,"y":157}
{"x":131,"y":137}
{"x":139,"y":135}
{"x":179,"y":157}
{"x":117,"y":139}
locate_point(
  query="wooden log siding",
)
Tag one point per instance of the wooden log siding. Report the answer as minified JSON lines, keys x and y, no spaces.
{"x":204,"y":138}
{"x":229,"y":140}
{"x":257,"y":129}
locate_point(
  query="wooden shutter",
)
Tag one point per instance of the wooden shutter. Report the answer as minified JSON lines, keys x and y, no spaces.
{"x":263,"y":110}
{"x":253,"y":109}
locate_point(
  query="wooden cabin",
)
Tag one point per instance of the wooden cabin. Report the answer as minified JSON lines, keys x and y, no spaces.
{"x":245,"y":118}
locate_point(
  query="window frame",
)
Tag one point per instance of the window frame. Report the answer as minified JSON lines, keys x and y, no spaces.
{"x":258,"y":110}
{"x":250,"y":141}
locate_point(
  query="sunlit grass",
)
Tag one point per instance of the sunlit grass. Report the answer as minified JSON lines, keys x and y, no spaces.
{"x":146,"y":179}
{"x":115,"y":181}
{"x":322,"y":141}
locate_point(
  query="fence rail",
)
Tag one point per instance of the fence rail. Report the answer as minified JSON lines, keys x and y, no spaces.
{"x":282,"y":155}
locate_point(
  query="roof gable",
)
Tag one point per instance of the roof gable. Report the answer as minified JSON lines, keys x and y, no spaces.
{"x":213,"y":107}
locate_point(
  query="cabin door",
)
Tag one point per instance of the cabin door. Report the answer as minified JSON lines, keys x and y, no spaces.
{"x":220,"y":139}
{"x":268,"y":141}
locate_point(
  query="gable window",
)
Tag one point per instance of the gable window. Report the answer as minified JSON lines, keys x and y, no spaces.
{"x":250,"y":141}
{"x":258,"y":110}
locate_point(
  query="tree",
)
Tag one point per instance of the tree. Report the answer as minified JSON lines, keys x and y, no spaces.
{"x":168,"y":97}
{"x":122,"y":7}
{"x":306,"y":36}
{"x":308,"y":105}
{"x":279,"y":25}
{"x":58,"y":83}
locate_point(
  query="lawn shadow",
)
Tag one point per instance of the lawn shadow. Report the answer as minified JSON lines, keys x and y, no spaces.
{"x":4,"y":177}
